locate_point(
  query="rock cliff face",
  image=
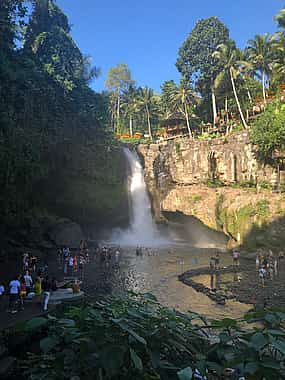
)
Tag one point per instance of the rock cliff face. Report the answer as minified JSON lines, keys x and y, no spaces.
{"x":219,"y":182}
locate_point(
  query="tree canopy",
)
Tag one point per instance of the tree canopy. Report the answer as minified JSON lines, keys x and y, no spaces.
{"x":195,"y":57}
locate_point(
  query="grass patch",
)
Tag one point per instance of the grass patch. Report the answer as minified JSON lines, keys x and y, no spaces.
{"x":195,"y":198}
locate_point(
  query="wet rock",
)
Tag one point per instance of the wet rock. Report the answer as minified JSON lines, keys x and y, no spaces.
{"x":67,"y":233}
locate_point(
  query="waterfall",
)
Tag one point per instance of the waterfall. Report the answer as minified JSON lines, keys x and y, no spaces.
{"x":142,"y":230}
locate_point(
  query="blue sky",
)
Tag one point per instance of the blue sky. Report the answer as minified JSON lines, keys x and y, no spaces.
{"x":147,"y":34}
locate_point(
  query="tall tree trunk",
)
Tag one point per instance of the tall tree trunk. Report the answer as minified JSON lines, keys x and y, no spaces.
{"x":118,"y":110}
{"x":237,"y":100}
{"x":263,"y":86}
{"x":227,"y":110}
{"x":148,"y":122}
{"x":249,"y":95}
{"x":187,"y":121}
{"x":214,"y":106}
{"x":131,"y":125}
{"x":113,"y":114}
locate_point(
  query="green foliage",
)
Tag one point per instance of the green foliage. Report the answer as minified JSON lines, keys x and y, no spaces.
{"x":177,"y":148}
{"x":214,"y":183}
{"x":238,"y":222}
{"x":134,"y":337}
{"x":119,"y":78}
{"x":262,"y":208}
{"x":48,"y":39}
{"x":268,"y":131}
{"x":48,"y":114}
{"x":195,"y":58}
{"x":244,"y":185}
{"x":195,"y":198}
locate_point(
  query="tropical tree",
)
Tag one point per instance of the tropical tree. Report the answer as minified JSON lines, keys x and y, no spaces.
{"x":119,"y":79}
{"x":48,"y":39}
{"x":130,"y":105}
{"x":195,"y":58}
{"x":182,"y":98}
{"x":280,"y":18}
{"x":89,"y":72}
{"x":229,"y":56}
{"x":260,"y":56}
{"x":278,"y":45}
{"x":146,"y":102}
{"x":47,"y":111}
{"x":12,"y":14}
{"x":168,"y":88}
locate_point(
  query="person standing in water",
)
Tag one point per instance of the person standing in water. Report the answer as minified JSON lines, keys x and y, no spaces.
{"x":217,"y":261}
{"x":46,"y":287}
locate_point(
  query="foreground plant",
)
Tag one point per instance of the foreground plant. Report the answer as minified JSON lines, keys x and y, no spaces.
{"x":134,"y":337}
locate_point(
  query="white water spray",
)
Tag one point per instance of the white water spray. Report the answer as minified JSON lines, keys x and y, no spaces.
{"x":142,"y":231}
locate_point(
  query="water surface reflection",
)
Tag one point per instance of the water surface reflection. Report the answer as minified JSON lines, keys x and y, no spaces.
{"x":156,"y":271}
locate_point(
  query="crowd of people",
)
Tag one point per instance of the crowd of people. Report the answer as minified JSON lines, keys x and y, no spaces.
{"x":267,"y":264}
{"x":33,"y":281}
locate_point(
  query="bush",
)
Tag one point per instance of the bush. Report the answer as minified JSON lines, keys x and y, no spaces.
{"x":268,"y":131}
{"x":134,"y":337}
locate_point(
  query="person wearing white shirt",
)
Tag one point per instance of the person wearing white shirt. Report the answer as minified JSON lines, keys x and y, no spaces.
{"x":14,"y":291}
{"x":28,"y":282}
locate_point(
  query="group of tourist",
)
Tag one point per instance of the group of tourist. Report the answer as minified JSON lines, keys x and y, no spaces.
{"x":215,"y":260}
{"x":73,"y":263}
{"x":108,"y":255}
{"x":267,"y":264}
{"x":32,"y":282}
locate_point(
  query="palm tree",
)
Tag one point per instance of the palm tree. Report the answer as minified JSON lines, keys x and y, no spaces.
{"x":89,"y":72}
{"x":260,"y":56}
{"x":278,"y":67}
{"x":279,"y":48}
{"x":130,"y":105}
{"x":181,"y":98}
{"x":280,"y":18}
{"x":146,"y":101}
{"x":230,"y":57}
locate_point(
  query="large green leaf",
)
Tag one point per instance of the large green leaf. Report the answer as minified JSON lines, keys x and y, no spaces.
{"x":124,"y":326}
{"x":36,"y":324}
{"x":185,"y":374}
{"x":48,"y":343}
{"x":251,"y":368}
{"x":136,"y":360}
{"x":279,"y":345}
{"x":112,"y":359}
{"x":258,"y":341}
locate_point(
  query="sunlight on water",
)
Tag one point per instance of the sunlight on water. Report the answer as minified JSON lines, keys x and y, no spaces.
{"x":142,"y":230}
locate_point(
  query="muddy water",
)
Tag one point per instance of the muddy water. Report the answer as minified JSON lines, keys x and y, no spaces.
{"x":156,"y":271}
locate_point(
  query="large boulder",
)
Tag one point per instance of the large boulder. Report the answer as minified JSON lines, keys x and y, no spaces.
{"x":66,"y":233}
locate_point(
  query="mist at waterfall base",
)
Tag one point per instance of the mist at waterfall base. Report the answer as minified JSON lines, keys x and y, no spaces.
{"x":180,"y":229}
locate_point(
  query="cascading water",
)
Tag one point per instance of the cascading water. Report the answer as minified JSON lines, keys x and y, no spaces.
{"x":142,"y":231}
